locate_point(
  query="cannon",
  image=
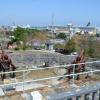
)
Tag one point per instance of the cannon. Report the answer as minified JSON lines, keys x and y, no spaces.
{"x":6,"y":65}
{"x":78,"y":68}
{"x":80,"y":58}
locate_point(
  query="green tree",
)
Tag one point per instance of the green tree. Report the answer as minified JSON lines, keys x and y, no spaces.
{"x":90,"y":49}
{"x":97,"y":34}
{"x":19,"y":34}
{"x":72,"y":45}
{"x":62,"y":36}
{"x":23,"y":34}
{"x":88,"y":44}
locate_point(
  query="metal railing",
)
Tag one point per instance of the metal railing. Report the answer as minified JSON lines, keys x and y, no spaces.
{"x":82,"y":93}
{"x":60,"y":66}
{"x":73,"y":74}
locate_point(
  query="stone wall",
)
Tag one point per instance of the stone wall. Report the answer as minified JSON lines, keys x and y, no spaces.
{"x":32,"y":59}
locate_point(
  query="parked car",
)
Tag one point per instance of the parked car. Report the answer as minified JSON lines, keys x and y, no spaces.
{"x":74,"y":53}
{"x":37,"y":48}
{"x":62,"y":51}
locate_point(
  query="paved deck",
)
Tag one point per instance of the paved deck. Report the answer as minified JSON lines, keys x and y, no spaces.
{"x":47,"y":87}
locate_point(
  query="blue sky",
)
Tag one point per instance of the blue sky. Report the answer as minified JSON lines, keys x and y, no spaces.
{"x":39,"y":12}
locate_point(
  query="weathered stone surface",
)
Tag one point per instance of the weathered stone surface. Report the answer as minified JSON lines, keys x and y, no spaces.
{"x":38,"y":58}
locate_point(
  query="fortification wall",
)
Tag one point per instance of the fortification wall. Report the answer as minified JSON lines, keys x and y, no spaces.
{"x":39,"y":58}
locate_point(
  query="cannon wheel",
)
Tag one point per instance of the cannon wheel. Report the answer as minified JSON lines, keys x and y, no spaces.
{"x":59,"y":71}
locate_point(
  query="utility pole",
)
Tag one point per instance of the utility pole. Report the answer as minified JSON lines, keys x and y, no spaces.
{"x":52,"y":24}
